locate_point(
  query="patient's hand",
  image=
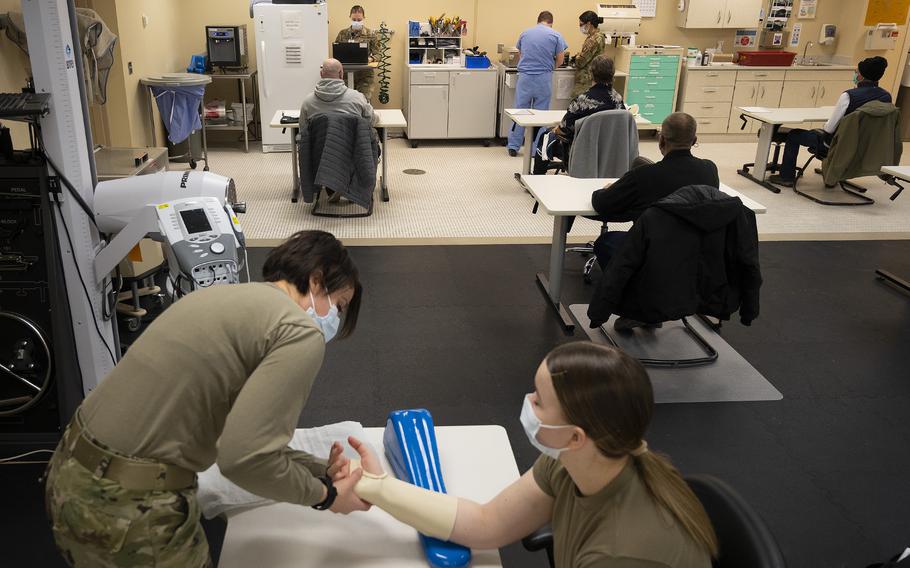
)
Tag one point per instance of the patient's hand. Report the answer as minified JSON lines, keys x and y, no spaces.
{"x":368,"y":460}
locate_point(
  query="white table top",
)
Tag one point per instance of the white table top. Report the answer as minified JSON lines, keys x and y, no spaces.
{"x":790,"y":115}
{"x":902,"y":172}
{"x":564,"y":195}
{"x":477,"y":463}
{"x":549,"y":117}
{"x":388,"y":118}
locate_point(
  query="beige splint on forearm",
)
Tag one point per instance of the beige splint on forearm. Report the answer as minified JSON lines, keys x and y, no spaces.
{"x":431,"y":513}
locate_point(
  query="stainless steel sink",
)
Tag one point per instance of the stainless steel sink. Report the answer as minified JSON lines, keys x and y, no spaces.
{"x":814,"y":64}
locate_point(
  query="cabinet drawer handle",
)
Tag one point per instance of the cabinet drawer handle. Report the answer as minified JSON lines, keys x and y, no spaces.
{"x":720,"y":14}
{"x":651,"y":83}
{"x":761,"y":74}
{"x":752,"y":96}
{"x":821,"y":94}
{"x":707,"y":90}
{"x":713,"y":74}
{"x":812,"y":96}
{"x":729,"y":15}
{"x":703,"y":106}
{"x":650,"y":97}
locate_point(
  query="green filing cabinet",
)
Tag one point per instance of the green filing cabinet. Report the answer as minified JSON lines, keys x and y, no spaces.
{"x":653,"y":79}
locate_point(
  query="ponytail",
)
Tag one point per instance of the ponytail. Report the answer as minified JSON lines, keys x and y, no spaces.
{"x":671,"y":491}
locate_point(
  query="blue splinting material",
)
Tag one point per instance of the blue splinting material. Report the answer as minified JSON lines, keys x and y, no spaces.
{"x":410,"y":447}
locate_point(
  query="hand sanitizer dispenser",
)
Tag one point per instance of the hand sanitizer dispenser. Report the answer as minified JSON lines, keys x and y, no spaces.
{"x":827,"y":35}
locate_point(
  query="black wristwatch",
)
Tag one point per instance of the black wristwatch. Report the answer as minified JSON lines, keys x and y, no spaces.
{"x":330,"y":494}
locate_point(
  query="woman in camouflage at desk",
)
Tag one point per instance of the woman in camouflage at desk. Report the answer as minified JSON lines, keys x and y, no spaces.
{"x":364,"y":81}
{"x":595,"y":44}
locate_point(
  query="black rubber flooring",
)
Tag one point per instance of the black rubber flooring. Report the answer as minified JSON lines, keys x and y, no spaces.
{"x":460,"y":331}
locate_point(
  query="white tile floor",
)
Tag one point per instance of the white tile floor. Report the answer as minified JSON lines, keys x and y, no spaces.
{"x":469,"y":194}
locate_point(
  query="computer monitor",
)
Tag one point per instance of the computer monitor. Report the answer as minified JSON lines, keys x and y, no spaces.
{"x":351,"y":53}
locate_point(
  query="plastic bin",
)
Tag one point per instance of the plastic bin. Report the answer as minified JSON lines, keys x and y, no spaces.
{"x":477,"y":61}
{"x":765,"y":58}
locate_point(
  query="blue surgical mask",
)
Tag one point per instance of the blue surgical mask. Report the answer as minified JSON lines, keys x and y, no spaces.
{"x":329,"y":323}
{"x":532,"y":426}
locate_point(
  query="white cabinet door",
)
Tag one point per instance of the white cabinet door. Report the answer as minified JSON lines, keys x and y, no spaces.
{"x":799,"y":94}
{"x":769,"y":94}
{"x":830,"y":91}
{"x":428,"y":112}
{"x":744,"y":94}
{"x":742,"y":13}
{"x":704,"y":14}
{"x":472,"y":104}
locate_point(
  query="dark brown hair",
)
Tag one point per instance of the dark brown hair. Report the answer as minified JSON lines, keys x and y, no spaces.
{"x":608,"y":394}
{"x":319,"y":255}
{"x":602,"y":69}
{"x":545,"y":16}
{"x":589,"y":17}
{"x":358,"y":8}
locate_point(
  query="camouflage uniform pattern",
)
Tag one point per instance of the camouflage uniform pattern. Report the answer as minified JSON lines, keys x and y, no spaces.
{"x":364,"y":81}
{"x":594,"y":45}
{"x":99,"y":524}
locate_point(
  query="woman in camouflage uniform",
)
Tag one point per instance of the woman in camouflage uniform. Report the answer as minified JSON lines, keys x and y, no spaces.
{"x":365,"y":80}
{"x":594,"y":45}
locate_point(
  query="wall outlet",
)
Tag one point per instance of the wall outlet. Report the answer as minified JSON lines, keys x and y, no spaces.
{"x":500,"y":47}
{"x":145,"y":21}
{"x":129,"y":67}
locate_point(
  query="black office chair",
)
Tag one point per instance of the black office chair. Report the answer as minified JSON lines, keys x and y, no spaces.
{"x":588,"y":248}
{"x":744,"y":538}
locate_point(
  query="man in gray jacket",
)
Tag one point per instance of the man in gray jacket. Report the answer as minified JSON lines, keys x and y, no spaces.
{"x":332,"y":95}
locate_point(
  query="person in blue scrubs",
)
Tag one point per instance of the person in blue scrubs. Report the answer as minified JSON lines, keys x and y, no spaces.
{"x":541,"y":49}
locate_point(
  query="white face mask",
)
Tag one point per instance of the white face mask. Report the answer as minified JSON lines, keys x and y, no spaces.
{"x":356,"y":24}
{"x":329,"y":323}
{"x":532,"y":425}
{"x":583,"y":30}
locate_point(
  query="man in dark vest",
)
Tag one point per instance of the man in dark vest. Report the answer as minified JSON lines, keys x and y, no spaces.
{"x":869,"y":71}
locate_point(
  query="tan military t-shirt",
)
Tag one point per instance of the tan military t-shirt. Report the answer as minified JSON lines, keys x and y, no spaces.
{"x":619,"y":527}
{"x":223,"y":373}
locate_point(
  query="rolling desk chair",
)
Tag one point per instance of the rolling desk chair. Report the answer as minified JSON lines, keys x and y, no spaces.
{"x":744,"y":538}
{"x":861,"y":163}
{"x":610,"y":157}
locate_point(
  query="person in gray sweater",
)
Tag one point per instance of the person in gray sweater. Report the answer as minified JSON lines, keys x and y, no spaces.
{"x":332,"y":95}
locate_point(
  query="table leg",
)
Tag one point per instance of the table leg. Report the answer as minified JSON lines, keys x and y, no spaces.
{"x":295,"y":193}
{"x":350,"y":79}
{"x":893,"y":279}
{"x":246,"y":126}
{"x":152,"y":117}
{"x":552,"y":282}
{"x":205,"y":144}
{"x":383,"y":184}
{"x":529,"y":141}
{"x":762,"y":151}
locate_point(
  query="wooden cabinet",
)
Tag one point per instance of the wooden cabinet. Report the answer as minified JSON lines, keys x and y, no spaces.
{"x":729,"y":14}
{"x":753,"y":93}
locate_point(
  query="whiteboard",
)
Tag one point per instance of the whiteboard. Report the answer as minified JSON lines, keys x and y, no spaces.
{"x":648,"y":8}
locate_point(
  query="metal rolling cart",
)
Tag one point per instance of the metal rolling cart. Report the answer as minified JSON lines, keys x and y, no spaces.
{"x":248,"y":119}
{"x":176,"y":81}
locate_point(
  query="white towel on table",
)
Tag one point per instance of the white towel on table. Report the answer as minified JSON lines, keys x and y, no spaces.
{"x":217,"y":494}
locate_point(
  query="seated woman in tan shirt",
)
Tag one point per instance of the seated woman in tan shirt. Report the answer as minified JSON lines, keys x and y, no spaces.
{"x":612,"y":502}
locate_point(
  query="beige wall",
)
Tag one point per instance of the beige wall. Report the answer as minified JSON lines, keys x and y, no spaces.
{"x":151,"y":50}
{"x":396,"y":14}
{"x":14,"y":70}
{"x":176,"y":31}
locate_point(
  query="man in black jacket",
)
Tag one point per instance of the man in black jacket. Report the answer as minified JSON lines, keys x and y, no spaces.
{"x":693,"y":252}
{"x":634,"y":192}
{"x":641,"y":187}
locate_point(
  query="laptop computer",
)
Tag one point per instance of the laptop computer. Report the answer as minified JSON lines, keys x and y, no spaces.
{"x":351,"y":53}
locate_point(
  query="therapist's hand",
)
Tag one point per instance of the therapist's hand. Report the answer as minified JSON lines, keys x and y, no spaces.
{"x":337,"y":464}
{"x":347,"y":501}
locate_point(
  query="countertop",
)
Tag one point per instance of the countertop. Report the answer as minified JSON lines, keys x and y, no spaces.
{"x":442,"y":68}
{"x":735,"y":67}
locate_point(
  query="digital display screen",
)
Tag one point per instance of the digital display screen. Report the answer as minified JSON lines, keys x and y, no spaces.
{"x":195,"y":221}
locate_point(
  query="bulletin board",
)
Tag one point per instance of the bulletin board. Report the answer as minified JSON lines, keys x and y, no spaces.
{"x":887,"y":11}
